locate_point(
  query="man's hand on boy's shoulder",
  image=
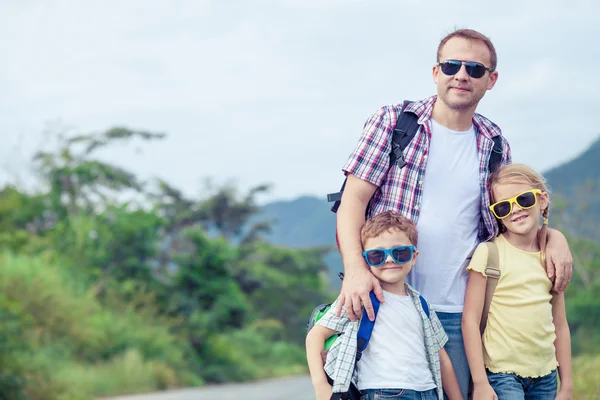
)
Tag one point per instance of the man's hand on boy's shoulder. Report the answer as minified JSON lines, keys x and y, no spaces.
{"x":356,"y":287}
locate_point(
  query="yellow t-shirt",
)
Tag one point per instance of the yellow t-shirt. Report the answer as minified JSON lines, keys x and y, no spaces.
{"x":519,"y":335}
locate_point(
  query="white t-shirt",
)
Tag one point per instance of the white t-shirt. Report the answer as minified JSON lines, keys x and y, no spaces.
{"x":449,"y":218}
{"x":395,"y":357}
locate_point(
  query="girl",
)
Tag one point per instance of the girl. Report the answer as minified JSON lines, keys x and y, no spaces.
{"x":527,"y":337}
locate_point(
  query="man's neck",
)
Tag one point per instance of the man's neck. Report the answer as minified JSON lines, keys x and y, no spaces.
{"x":396,"y":288}
{"x":456,"y":120}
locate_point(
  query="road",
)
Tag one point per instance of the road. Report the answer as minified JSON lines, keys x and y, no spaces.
{"x":290,"y":388}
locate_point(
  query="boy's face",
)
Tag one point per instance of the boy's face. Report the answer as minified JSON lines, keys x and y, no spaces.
{"x":391,"y":272}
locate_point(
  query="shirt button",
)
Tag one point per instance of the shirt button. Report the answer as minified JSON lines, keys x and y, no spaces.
{"x":417,"y":208}
{"x":420,"y":183}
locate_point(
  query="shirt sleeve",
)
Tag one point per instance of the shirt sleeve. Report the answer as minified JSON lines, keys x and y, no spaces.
{"x":439,"y":334}
{"x":329,"y":319}
{"x":479,"y":260}
{"x":370,"y":159}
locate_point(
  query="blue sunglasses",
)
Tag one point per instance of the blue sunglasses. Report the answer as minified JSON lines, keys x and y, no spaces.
{"x":400,"y":255}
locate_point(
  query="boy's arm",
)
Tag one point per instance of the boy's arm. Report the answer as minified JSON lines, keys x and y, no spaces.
{"x":449,"y":381}
{"x":315,"y":342}
{"x":562,"y":344}
{"x":474,"y":300}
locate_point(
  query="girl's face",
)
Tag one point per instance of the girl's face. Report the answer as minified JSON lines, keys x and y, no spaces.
{"x":519,"y":221}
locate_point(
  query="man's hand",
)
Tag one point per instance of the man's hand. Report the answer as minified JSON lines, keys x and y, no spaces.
{"x":559,"y":262}
{"x":323,"y":391}
{"x":356,"y":286}
{"x":484,"y":391}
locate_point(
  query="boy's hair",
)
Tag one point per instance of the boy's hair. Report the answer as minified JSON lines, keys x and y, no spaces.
{"x":388,"y":221}
{"x":523,"y":174}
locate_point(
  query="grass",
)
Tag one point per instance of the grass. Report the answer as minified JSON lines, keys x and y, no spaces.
{"x":586,"y":377}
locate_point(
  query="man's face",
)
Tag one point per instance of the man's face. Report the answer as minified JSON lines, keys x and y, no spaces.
{"x":461,"y":91}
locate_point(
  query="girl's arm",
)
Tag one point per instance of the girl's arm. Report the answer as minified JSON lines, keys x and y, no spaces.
{"x":449,"y":381}
{"x":471,"y":319}
{"x":315,"y":342}
{"x":562,"y":344}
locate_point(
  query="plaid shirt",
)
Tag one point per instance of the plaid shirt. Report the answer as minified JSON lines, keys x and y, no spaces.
{"x":341,"y":357}
{"x":401,"y":190}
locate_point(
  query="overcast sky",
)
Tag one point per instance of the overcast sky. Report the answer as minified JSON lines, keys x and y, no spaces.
{"x":277,"y":91}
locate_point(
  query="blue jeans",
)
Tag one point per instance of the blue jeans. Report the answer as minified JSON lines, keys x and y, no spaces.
{"x":514,"y":387}
{"x":405,"y":394}
{"x":456,"y":349}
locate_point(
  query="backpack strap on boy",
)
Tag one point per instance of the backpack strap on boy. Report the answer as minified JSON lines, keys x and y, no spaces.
{"x":424,"y":305}
{"x":492,"y":272}
{"x":404,"y":131}
{"x":366,"y":327}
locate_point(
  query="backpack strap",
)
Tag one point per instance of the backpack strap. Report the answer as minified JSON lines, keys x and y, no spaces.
{"x":492,"y":272}
{"x":407,"y":125}
{"x":404,"y":131}
{"x":496,"y":156}
{"x":366,"y":327}
{"x":424,"y":305}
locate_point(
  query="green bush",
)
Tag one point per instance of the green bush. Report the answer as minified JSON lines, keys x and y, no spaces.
{"x":246,"y":354}
{"x":59,"y":342}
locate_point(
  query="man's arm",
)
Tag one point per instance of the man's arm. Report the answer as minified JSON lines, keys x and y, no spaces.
{"x":559,"y":261}
{"x":366,"y":169}
{"x":358,"y":280}
{"x":562,"y":344}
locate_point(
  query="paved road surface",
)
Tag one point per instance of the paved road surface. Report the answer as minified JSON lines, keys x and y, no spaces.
{"x":290,"y":388}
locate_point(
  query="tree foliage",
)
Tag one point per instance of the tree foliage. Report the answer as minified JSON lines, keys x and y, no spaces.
{"x":184,"y":288}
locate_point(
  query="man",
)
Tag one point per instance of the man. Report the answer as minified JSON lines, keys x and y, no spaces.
{"x":442,"y":189}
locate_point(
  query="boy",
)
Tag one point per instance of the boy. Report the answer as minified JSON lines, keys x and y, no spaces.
{"x":405,"y":355}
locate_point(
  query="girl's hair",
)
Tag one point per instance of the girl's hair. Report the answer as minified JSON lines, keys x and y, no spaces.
{"x":521,"y":173}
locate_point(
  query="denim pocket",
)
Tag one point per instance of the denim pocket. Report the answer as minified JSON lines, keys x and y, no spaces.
{"x":383,"y":394}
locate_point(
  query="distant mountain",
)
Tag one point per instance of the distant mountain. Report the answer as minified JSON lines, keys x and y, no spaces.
{"x":582,"y":169}
{"x":576,"y":193}
{"x":308,"y":221}
{"x":305,"y":221}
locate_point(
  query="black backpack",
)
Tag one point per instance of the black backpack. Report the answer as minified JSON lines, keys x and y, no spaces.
{"x":404,"y":131}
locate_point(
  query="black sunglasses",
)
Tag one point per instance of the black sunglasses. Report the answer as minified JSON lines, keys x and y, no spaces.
{"x":400,"y":255}
{"x":474,"y":69}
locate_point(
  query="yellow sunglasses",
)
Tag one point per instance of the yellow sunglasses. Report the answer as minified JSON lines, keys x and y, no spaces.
{"x":525,"y":200}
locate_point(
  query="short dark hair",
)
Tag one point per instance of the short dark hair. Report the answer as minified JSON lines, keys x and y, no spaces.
{"x":470,"y":34}
{"x":388,"y":221}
